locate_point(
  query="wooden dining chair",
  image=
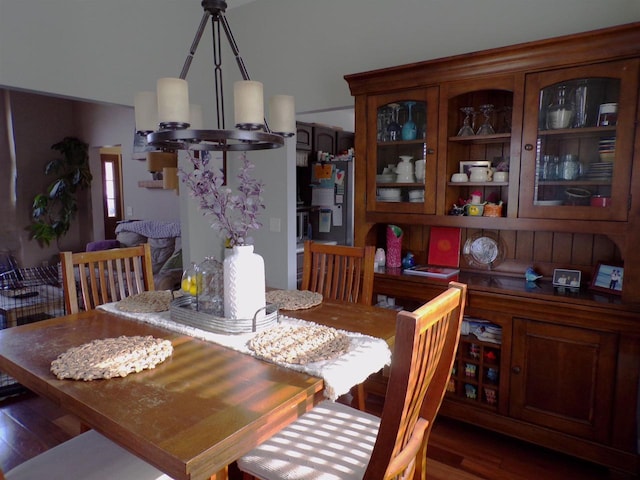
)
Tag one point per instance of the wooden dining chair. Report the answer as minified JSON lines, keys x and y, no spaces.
{"x":88,"y":456}
{"x":105,"y":276}
{"x":336,"y":442}
{"x":339,"y":272}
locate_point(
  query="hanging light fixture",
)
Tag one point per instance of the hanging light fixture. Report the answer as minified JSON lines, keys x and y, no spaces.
{"x":171,"y":123}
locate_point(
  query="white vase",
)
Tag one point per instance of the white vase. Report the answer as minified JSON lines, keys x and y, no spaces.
{"x":244,"y":284}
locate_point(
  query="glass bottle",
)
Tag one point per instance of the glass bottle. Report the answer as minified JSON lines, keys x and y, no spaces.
{"x":189,"y":283}
{"x":211,"y":297}
{"x":560,"y":111}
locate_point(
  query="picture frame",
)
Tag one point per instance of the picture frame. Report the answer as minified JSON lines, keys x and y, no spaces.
{"x":608,"y":277}
{"x":566,"y":278}
{"x":465,"y":166}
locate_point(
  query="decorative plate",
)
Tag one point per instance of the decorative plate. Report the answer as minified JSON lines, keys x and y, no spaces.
{"x":484,"y":250}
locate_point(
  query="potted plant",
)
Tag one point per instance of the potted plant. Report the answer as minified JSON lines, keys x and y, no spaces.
{"x":53,"y":211}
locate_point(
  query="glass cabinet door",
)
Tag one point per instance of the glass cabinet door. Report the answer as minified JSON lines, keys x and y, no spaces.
{"x":577,"y":149}
{"x":401,"y":168}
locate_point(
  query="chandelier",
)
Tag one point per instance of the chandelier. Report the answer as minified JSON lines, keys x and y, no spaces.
{"x":170,"y":123}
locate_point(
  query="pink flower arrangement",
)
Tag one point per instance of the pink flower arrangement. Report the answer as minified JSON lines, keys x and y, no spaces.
{"x":235,"y":213}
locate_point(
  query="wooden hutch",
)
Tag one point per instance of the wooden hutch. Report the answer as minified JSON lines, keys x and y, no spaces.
{"x":565,"y":372}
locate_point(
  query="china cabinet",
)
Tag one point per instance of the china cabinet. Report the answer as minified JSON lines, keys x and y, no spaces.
{"x":304,"y":136}
{"x":556,"y":123}
{"x":324,"y":139}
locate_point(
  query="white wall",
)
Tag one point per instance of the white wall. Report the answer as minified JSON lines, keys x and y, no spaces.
{"x":108,"y":50}
{"x":113,"y":125}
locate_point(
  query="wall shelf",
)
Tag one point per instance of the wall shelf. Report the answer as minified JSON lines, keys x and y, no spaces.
{"x":150,"y":183}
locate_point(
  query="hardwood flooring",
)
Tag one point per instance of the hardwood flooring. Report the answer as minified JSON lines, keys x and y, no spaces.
{"x":30,"y":425}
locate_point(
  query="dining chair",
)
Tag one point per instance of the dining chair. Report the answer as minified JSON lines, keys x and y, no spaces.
{"x":339,"y":272}
{"x":336,"y":442}
{"x":88,"y":456}
{"x":105,"y":276}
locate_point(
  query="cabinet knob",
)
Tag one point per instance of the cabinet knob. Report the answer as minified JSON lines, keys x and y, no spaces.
{"x":528,"y":147}
{"x":430,"y":151}
{"x":515,"y":370}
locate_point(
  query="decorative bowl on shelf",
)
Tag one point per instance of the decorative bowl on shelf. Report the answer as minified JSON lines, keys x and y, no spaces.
{"x":577,"y":196}
{"x":386,"y":178}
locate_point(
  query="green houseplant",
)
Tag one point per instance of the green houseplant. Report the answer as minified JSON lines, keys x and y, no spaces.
{"x":53,"y":211}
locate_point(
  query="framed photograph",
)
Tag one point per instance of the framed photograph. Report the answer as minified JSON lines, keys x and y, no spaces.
{"x":608,"y":277}
{"x":566,"y":278}
{"x":466,"y":165}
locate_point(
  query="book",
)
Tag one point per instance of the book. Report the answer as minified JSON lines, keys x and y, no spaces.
{"x":444,"y":247}
{"x":432,"y":271}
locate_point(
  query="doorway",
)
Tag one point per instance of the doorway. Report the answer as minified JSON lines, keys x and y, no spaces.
{"x":112,"y":202}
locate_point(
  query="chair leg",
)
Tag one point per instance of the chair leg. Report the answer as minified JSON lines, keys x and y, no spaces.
{"x":359,"y":397}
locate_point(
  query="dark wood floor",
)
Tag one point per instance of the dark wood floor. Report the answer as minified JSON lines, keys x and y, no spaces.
{"x":30,"y":425}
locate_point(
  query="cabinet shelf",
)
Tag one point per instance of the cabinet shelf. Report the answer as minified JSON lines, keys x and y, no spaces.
{"x":578,"y":132}
{"x":400,"y":185}
{"x":478,"y":184}
{"x":481,"y":139}
{"x":402,"y":142}
{"x":572,"y":183}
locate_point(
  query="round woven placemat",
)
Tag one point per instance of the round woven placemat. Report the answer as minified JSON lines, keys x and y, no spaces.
{"x":294,"y":299}
{"x":111,"y":357}
{"x":299,"y":344}
{"x":146,"y":302}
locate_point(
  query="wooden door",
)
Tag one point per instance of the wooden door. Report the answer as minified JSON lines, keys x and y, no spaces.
{"x":563,"y":377}
{"x":111,"y":193}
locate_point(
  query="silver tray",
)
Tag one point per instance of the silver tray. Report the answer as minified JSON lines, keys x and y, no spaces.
{"x":183,"y":310}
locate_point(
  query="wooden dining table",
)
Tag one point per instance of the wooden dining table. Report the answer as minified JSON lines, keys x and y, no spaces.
{"x":195,"y":413}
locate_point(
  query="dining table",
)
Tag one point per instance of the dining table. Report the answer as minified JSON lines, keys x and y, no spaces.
{"x":198,"y":411}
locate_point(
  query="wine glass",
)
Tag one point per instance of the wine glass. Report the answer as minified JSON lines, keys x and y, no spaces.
{"x":486,"y":128}
{"x":393,"y":129}
{"x":466,"y":129}
{"x":409,"y":130}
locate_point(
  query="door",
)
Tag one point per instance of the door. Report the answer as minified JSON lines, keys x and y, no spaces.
{"x":574,"y":154}
{"x":401,"y":151}
{"x":111,"y":192}
{"x":563,"y":377}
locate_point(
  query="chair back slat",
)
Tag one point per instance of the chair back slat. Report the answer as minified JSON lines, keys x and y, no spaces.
{"x":339,"y":272}
{"x":105,"y":276}
{"x":425,"y":345}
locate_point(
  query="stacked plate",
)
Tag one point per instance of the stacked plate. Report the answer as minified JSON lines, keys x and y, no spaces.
{"x":600,"y":171}
{"x":607,"y":149}
{"x":416,"y":196}
{"x":389,"y":195}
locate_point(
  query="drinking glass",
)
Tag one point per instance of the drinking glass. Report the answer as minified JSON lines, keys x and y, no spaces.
{"x":486,"y":128}
{"x":466,"y":128}
{"x":394,"y":129}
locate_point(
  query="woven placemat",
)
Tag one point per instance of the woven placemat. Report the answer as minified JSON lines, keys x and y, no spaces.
{"x":146,"y":302}
{"x":111,"y":357}
{"x":299,"y":344}
{"x":294,"y":299}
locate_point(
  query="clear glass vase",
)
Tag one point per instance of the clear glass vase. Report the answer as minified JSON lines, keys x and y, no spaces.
{"x":211,"y":299}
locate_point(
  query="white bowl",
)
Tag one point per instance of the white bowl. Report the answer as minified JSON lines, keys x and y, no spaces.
{"x":389,"y":192}
{"x":459,"y":178}
{"x":414,"y":194}
{"x":386,"y":178}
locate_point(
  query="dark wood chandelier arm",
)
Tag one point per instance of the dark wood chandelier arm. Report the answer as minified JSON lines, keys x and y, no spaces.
{"x":194,"y":45}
